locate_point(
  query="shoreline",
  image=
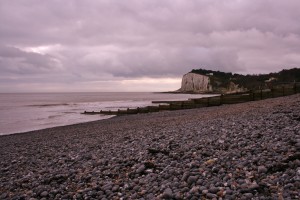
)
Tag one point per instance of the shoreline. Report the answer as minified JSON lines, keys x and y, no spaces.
{"x":38,"y":112}
{"x":54,"y":127}
{"x":116,"y":116}
{"x":240,"y":151}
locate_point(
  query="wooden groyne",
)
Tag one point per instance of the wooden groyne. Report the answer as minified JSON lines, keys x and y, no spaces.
{"x":251,"y":95}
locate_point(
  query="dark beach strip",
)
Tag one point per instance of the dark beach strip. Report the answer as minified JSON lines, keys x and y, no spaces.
{"x":243,"y":151}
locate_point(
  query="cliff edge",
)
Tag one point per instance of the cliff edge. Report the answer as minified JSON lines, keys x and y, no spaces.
{"x":199,"y":83}
{"x":209,"y":81}
{"x":195,"y":83}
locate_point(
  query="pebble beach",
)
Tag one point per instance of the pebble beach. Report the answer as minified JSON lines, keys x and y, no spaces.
{"x":242,"y":151}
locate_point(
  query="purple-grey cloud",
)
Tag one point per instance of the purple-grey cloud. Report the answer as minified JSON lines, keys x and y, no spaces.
{"x":15,"y":61}
{"x":109,"y":40}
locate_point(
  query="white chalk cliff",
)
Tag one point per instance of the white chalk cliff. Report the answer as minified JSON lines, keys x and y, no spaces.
{"x":195,"y":83}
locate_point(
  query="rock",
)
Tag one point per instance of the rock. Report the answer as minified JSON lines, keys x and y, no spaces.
{"x":141,"y":169}
{"x":3,"y":196}
{"x":213,"y":190}
{"x":262,"y":169}
{"x":297,"y":145}
{"x":221,"y":193}
{"x":185,"y":176}
{"x":228,"y":191}
{"x":150,"y":196}
{"x":211,"y":196}
{"x":210,"y":162}
{"x":167,"y":194}
{"x":192,"y":179}
{"x":44,"y":194}
{"x":178,"y":195}
{"x":248,"y":195}
{"x":115,"y":188}
{"x":194,"y":190}
{"x":107,"y":187}
{"x":204,"y":191}
{"x":136,"y":188}
{"x":254,"y":186}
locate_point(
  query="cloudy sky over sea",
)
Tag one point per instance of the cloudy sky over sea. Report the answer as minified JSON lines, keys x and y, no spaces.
{"x":140,"y":45}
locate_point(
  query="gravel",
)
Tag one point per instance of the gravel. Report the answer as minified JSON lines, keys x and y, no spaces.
{"x":242,"y":151}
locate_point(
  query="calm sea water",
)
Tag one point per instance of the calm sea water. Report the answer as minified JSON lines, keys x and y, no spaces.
{"x":27,"y":112}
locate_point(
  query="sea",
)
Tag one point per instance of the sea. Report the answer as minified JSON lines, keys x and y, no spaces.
{"x":22,"y":112}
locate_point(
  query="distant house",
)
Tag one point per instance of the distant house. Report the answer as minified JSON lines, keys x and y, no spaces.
{"x":271,"y":79}
{"x":210,"y":74}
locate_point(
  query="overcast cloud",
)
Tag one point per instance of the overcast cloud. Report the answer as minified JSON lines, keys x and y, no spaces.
{"x":140,"y":45}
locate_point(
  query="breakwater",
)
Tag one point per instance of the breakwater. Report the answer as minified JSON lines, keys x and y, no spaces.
{"x":251,"y":95}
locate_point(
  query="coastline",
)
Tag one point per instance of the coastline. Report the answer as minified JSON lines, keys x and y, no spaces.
{"x":246,"y":150}
{"x":28,"y":112}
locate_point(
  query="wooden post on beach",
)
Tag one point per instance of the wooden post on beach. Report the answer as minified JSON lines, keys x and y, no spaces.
{"x":282,"y":90}
{"x":272,"y":92}
{"x":253,"y":95}
{"x":295,"y":88}
{"x":207,"y":101}
{"x":221,"y":99}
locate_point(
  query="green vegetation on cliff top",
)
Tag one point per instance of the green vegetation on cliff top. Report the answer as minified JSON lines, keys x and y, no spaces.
{"x":223,"y":79}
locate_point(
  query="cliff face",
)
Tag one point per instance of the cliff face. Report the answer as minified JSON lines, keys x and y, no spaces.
{"x":195,"y":83}
{"x":208,"y":81}
{"x":229,"y":82}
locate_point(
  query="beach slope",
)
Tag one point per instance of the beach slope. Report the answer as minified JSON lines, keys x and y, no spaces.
{"x":241,"y":151}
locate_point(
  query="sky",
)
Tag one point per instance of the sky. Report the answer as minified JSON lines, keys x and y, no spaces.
{"x":140,"y":45}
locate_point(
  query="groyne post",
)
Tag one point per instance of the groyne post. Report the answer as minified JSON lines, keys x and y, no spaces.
{"x":221,"y":99}
{"x":261,"y":94}
{"x":282,"y":90}
{"x":272,"y":92}
{"x":253,"y":95}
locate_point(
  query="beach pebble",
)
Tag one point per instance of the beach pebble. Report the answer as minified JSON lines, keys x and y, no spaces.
{"x":167,"y":194}
{"x":44,"y":194}
{"x":262,"y":169}
{"x":141,"y":169}
{"x":185,"y":176}
{"x":3,"y":195}
{"x":211,"y":196}
{"x":115,"y":188}
{"x":248,"y":195}
{"x":213,"y":190}
{"x":192,"y":179}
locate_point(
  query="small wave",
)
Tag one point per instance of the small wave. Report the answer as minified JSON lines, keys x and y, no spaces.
{"x":49,"y":105}
{"x":53,"y":116}
{"x":69,"y":112}
{"x":40,"y":118}
{"x":116,"y":107}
